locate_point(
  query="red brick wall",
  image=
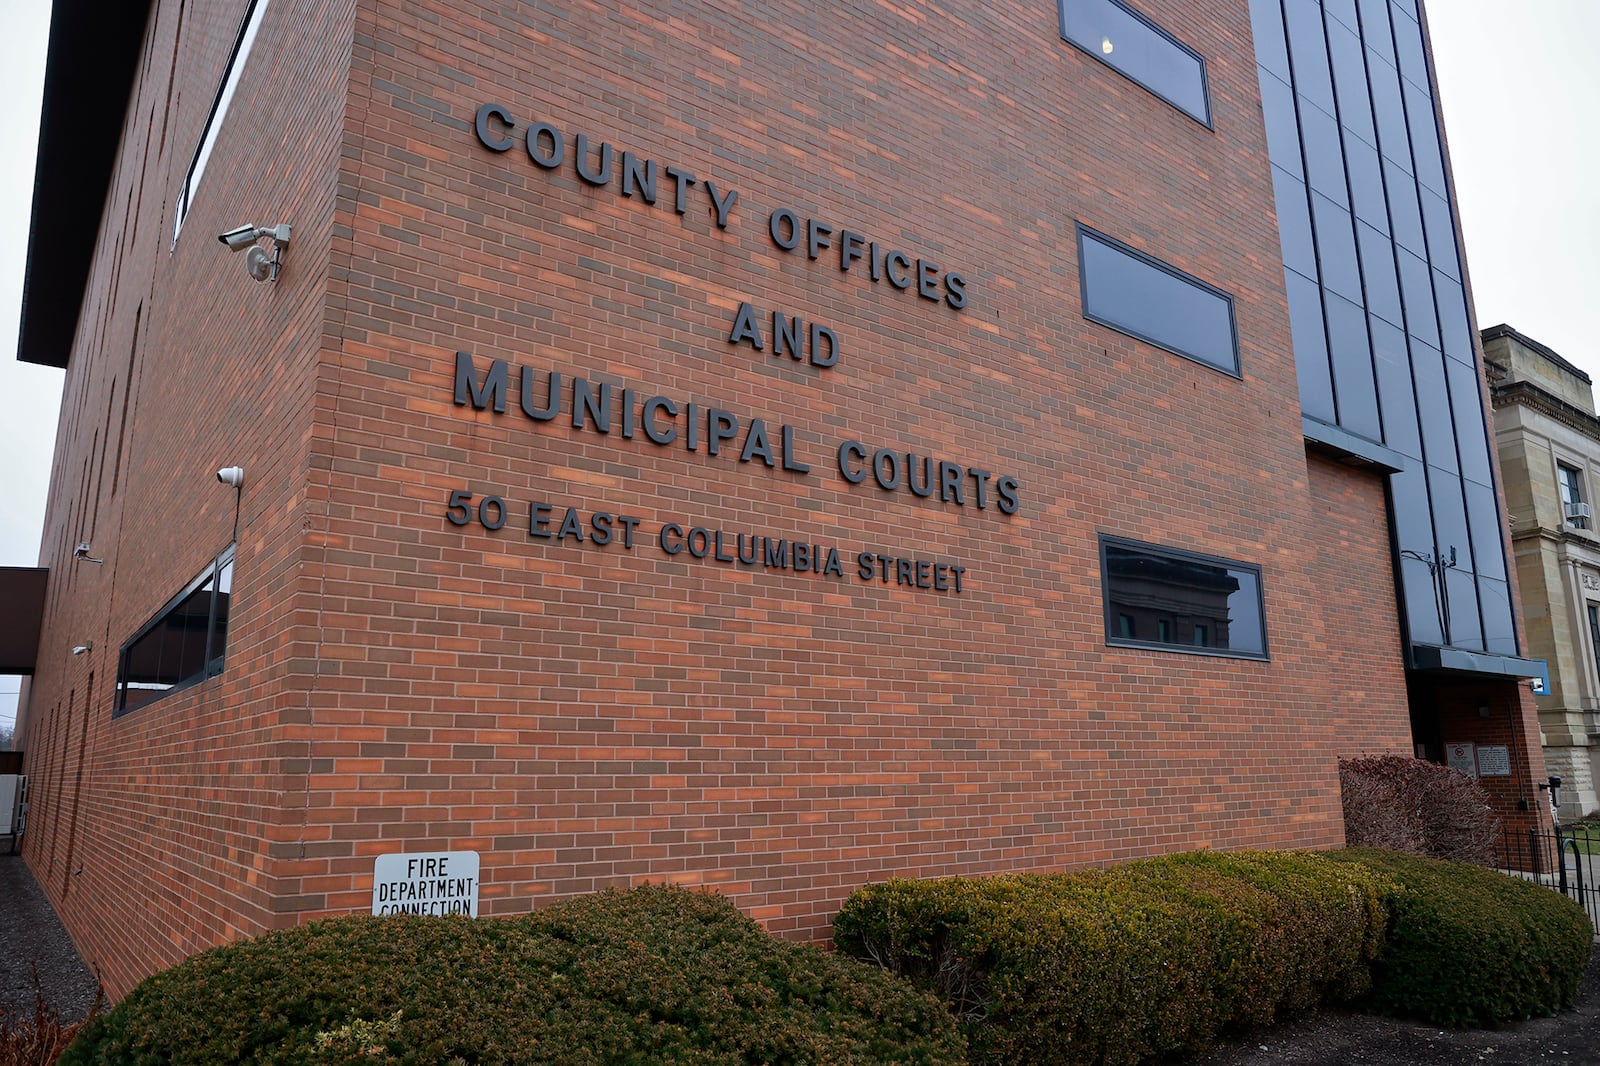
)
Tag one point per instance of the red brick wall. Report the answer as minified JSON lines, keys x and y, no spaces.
{"x":152,"y":833}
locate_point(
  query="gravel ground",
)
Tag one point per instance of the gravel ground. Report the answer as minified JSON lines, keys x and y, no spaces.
{"x":30,"y":935}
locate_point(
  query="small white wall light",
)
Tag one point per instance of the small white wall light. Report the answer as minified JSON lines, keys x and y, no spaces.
{"x":231,"y":475}
{"x":84,"y":648}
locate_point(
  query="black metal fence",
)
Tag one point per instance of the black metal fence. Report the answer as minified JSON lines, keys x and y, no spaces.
{"x":1566,"y":858}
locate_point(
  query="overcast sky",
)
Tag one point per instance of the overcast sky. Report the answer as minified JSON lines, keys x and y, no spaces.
{"x":1521,"y":102}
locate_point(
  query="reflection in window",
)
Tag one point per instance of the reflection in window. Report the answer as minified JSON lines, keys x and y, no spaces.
{"x":219,"y":110}
{"x":1188,"y":601}
{"x":184,"y":643}
{"x":1138,"y":49}
{"x":1573,"y":505}
{"x":1145,"y":298}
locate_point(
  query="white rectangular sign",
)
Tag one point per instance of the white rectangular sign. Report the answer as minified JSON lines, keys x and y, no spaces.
{"x":1494,"y":760}
{"x":1460,"y":754}
{"x":436,"y":882}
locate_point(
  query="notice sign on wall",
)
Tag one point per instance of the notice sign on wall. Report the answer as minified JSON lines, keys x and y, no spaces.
{"x":1494,"y":760}
{"x":1461,"y":755}
{"x":440,"y":882}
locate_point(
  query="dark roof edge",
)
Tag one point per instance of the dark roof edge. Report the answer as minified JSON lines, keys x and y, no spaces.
{"x":88,"y":78}
{"x":1503,"y":330}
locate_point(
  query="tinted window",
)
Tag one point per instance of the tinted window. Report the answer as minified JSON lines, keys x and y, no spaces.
{"x":1395,"y":395}
{"x":1266,"y":26}
{"x":1433,"y":406}
{"x":1179,"y":600}
{"x":1366,"y":184}
{"x":1449,"y":516}
{"x":219,"y":111}
{"x":1466,"y":629}
{"x":1283,"y":128}
{"x":1350,"y":82}
{"x":1441,"y":233}
{"x":1424,"y":138}
{"x":1308,"y":49}
{"x":1408,"y":47}
{"x":1336,"y":248}
{"x":1404,"y":215}
{"x":1414,"y":533}
{"x":1375,"y":27}
{"x":1352,"y":368}
{"x":1393,"y":138}
{"x":1137,"y":48}
{"x":1310,"y":347}
{"x":1483,"y":519}
{"x":1452,"y":302}
{"x":1147,"y":299}
{"x":1377,"y":264}
{"x":184,"y":643}
{"x":1416,"y":288}
{"x":1500,"y":636}
{"x":1472,"y":444}
{"x":1294,"y":223}
{"x":1324,"y":157}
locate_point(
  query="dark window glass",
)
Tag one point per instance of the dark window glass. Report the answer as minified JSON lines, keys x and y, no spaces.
{"x":1294,"y":223}
{"x":1138,"y":49}
{"x":1394,"y":139}
{"x":1375,"y":28}
{"x":1472,"y":443}
{"x":1366,"y":184}
{"x":1416,"y":289}
{"x":1266,"y":26}
{"x":1499,"y":631}
{"x":185,"y":642}
{"x":1145,"y":298}
{"x":1181,"y":600}
{"x":1570,"y":481}
{"x":1352,"y":368}
{"x":248,"y":31}
{"x":1433,"y":406}
{"x":1350,"y":82}
{"x":1404,"y":215}
{"x":1377,"y":264}
{"x":1408,"y":47}
{"x":1466,"y":627}
{"x":1324,"y":156}
{"x":1395,"y":394}
{"x":1336,"y":248}
{"x":1449,"y":517}
{"x":1594,"y":632}
{"x":1310,"y":347}
{"x":1441,"y":234}
{"x":1308,"y":50}
{"x":1424,"y":137}
{"x":1483,"y":519}
{"x":1283,"y":127}
{"x":1452,"y":302}
{"x":1414,"y":531}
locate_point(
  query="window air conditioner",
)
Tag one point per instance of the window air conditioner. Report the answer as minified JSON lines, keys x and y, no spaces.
{"x":1579,"y":513}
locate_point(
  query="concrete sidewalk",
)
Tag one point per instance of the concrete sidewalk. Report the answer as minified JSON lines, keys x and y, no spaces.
{"x":31,"y":935}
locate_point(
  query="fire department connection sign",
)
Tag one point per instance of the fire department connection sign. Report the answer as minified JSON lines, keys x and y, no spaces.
{"x":440,"y":882}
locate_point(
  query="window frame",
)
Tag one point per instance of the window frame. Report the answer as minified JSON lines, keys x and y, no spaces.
{"x":1160,"y":31}
{"x":214,"y":660}
{"x":1573,"y":489}
{"x":243,"y":43}
{"x":1180,"y":555}
{"x":1083,"y":231}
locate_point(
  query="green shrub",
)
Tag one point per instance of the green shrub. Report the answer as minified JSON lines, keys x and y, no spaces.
{"x":651,"y":975}
{"x":1472,"y":947}
{"x":1126,"y":964}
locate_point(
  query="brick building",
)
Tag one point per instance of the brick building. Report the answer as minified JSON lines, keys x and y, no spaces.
{"x":771,"y":449}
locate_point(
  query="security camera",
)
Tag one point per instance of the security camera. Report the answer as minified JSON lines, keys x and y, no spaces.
{"x":231,"y":475}
{"x":83,"y":649}
{"x":240,"y":237}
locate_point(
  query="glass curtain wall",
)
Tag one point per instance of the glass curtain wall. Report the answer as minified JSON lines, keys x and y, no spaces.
{"x":1383,"y":344}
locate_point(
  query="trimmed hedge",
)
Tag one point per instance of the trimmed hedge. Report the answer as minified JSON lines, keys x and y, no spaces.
{"x":650,"y":975}
{"x":1472,"y":947}
{"x":1131,"y":963}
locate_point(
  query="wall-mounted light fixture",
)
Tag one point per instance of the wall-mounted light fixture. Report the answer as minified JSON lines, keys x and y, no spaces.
{"x":81,"y":553}
{"x":83,"y":649}
{"x":261,"y":266}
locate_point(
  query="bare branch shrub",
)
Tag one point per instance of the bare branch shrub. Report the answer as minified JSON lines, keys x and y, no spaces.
{"x":1414,"y":805}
